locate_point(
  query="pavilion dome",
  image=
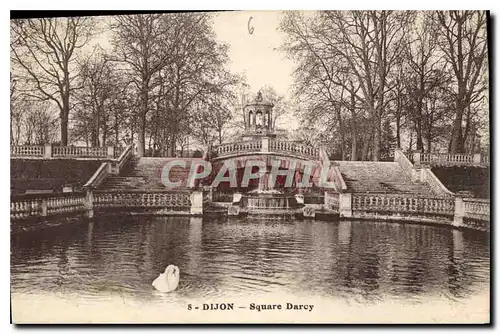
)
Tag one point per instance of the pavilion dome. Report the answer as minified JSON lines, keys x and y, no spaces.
{"x":260,"y":100}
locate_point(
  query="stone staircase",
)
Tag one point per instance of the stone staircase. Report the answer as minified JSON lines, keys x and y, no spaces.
{"x":380,"y":177}
{"x":145,"y":174}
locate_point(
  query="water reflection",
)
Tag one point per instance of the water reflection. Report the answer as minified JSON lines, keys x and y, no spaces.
{"x":356,"y":261}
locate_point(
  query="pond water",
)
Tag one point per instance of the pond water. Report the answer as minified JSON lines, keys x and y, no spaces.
{"x":357,"y":262}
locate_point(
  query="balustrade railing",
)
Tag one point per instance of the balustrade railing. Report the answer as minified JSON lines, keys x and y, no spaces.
{"x":218,"y":196}
{"x":315,"y":199}
{"x":176,"y":201}
{"x":478,"y":209}
{"x":27,"y":151}
{"x":49,"y":151}
{"x":445,"y":159}
{"x":41,"y":205}
{"x":244,"y":146}
{"x":292,"y":147}
{"x":402,"y":204}
{"x":273,"y":145}
{"x":75,"y":151}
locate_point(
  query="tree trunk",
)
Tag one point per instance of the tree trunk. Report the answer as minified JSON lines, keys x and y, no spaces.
{"x":456,"y":143}
{"x":366,"y":146}
{"x":342,"y":132}
{"x":141,"y":140}
{"x":429,"y":140}
{"x":354,"y":135}
{"x":398,"y":131}
{"x":377,"y":140}
{"x":94,"y":134}
{"x":116,"y":129}
{"x":418,"y":130}
{"x":64,"y":128}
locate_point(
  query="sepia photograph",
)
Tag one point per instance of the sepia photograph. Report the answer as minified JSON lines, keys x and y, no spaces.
{"x":250,"y":167}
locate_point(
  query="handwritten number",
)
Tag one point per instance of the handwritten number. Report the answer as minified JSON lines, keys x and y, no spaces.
{"x":250,"y":28}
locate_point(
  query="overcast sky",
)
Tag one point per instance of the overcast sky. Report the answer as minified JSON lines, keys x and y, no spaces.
{"x":255,"y":54}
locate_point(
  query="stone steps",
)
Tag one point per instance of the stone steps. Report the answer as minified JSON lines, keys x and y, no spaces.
{"x":380,"y":177}
{"x":146,"y":174}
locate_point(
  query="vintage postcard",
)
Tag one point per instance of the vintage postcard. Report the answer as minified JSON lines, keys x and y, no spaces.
{"x":291,"y":167}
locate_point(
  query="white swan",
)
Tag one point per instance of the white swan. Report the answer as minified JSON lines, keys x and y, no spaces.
{"x":168,"y":280}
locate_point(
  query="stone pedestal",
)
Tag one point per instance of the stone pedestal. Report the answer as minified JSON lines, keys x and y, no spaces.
{"x":196,"y":198}
{"x":265,"y":144}
{"x":89,"y":203}
{"x":48,"y":151}
{"x":44,"y":207}
{"x":345,"y":205}
{"x":110,"y":151}
{"x":458,"y":217}
{"x":477,"y":158}
{"x":416,"y":158}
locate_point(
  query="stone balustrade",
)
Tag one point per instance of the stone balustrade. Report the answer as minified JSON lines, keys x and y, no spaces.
{"x":476,"y":208}
{"x":74,"y":152}
{"x":314,"y":199}
{"x":218,"y":196}
{"x":402,"y":204}
{"x":27,"y":151}
{"x":243,"y":146}
{"x":293,"y":148}
{"x":446,"y":159}
{"x":43,"y":205}
{"x":460,"y":212}
{"x":268,"y":145}
{"x":176,"y":201}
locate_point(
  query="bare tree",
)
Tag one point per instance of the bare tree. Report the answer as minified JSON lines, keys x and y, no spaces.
{"x":44,"y":51}
{"x":100,"y":101}
{"x":363,"y":45}
{"x":141,"y":43}
{"x":425,"y":72}
{"x":463,"y":41}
